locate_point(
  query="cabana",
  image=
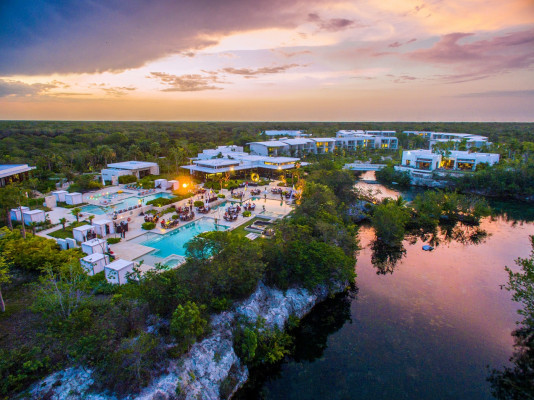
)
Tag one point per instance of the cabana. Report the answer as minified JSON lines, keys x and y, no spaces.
{"x":15,"y":213}
{"x":94,"y":263}
{"x":95,"y":246}
{"x":103,"y":227}
{"x":80,"y":233}
{"x":161,"y":183}
{"x":60,"y":195}
{"x":73,"y":198}
{"x":173,"y":185}
{"x":117,"y":271}
{"x":33,"y":216}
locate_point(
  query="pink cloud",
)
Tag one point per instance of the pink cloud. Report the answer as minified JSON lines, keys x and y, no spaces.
{"x":477,"y":59}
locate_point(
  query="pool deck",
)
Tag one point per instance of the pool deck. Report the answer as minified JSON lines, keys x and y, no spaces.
{"x":129,"y":250}
{"x":267,"y":204}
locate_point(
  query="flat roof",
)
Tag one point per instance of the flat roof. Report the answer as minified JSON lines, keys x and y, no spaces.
{"x":12,"y":169}
{"x":329,"y":139}
{"x":72,"y":194}
{"x":93,"y":257}
{"x":281,"y":159}
{"x":297,"y":141}
{"x":101,"y":221}
{"x":83,"y":228}
{"x":119,"y":264}
{"x":132,"y":165}
{"x":94,"y":242}
{"x":216,"y":162}
{"x":271,"y":143}
{"x":31,"y":212}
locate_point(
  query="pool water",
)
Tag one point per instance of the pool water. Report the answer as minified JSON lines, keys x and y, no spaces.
{"x":174,"y":242}
{"x":125,"y":204}
{"x":91,"y":209}
{"x":134,"y":200}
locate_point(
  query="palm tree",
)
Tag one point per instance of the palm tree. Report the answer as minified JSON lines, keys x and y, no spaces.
{"x":63,"y":221}
{"x":76,"y":212}
{"x":33,"y":225}
{"x":90,"y":218}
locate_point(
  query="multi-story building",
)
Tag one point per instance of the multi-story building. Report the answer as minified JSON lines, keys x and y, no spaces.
{"x":286,"y":133}
{"x":471,"y":141}
{"x":352,"y":140}
{"x":239,"y":164}
{"x":14,"y":173}
{"x":139,"y":169}
{"x":293,"y":147}
{"x":425,"y":161}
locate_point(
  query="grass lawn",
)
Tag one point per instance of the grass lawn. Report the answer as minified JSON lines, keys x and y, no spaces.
{"x":67,"y":233}
{"x":240,"y":230}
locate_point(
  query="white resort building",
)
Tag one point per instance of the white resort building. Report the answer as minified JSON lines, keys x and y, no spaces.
{"x":471,"y":141}
{"x":285,"y":133}
{"x":139,"y":169}
{"x":425,"y":161}
{"x":352,"y":140}
{"x":232,"y":159}
{"x":14,"y":173}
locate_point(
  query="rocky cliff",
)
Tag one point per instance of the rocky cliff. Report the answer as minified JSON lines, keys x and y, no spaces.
{"x":211,"y":369}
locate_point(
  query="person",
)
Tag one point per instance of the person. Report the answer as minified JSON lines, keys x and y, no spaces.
{"x":263,"y":208}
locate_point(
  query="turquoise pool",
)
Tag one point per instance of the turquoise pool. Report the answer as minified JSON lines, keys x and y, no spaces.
{"x":174,"y":242}
{"x":124,"y":204}
{"x":91,"y":209}
{"x":135,"y":200}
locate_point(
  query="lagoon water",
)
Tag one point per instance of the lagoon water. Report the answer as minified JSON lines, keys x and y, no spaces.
{"x":420,"y":325}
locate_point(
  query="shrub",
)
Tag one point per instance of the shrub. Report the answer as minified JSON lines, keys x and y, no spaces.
{"x":124,"y":179}
{"x":148,"y":226}
{"x":113,"y":240}
{"x":247,"y":213}
{"x":187,"y":323}
{"x":198,"y":203}
{"x":175,"y":216}
{"x":221,"y":196}
{"x":162,"y":201}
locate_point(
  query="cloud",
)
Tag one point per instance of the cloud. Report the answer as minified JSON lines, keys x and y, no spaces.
{"x":46,"y":36}
{"x":119,"y":91}
{"x":333,"y":24}
{"x":250,"y":73}
{"x":500,"y":93}
{"x":17,"y":88}
{"x":290,"y":54}
{"x":186,"y":83}
{"x":477,"y":59}
{"x":401,"y":78}
{"x":399,"y":44}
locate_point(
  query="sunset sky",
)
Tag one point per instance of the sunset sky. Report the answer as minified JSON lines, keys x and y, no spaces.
{"x":303,"y":60}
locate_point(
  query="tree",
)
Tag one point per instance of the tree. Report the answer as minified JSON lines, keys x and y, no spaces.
{"x":90,"y":218}
{"x":9,"y":198}
{"x":389,"y":221}
{"x":62,"y":290}
{"x":76,"y":212}
{"x":33,"y":226}
{"x":63,"y":221}
{"x":515,"y":382}
{"x":4,"y":278}
{"x":187,"y":323}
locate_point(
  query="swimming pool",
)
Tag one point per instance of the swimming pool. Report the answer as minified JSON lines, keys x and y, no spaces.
{"x":124,"y":204}
{"x":91,"y":209}
{"x":135,"y":200}
{"x":174,"y":242}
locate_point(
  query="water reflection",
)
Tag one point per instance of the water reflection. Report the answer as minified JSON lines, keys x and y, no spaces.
{"x":516,"y":382}
{"x":385,"y":257}
{"x":310,"y":339}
